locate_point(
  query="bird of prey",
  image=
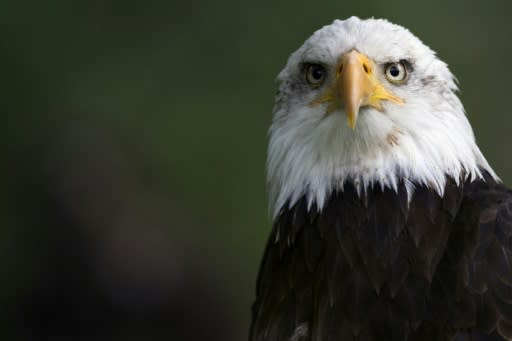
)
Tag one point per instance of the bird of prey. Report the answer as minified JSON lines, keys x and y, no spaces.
{"x":388,"y":222}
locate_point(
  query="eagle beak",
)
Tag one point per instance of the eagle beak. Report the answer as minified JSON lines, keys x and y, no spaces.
{"x":356,"y":84}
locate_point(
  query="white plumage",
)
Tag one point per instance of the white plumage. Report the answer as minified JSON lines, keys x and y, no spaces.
{"x":421,"y":141}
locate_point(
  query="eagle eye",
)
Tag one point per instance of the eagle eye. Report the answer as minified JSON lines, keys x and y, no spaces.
{"x":397,"y":73}
{"x":315,"y":74}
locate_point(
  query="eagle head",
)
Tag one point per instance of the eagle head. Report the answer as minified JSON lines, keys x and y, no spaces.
{"x":366,"y":102}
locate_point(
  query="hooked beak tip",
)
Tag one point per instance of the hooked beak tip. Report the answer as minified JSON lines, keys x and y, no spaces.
{"x":352,"y":119}
{"x":352,"y":115}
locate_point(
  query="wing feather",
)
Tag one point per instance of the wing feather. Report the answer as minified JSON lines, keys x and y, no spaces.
{"x":490,"y":267}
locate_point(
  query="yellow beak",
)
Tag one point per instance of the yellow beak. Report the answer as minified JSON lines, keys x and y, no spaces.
{"x":355,"y":85}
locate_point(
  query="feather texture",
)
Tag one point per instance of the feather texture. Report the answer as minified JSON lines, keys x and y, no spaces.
{"x":364,"y":269}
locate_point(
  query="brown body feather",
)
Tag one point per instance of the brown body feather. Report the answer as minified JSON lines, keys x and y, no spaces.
{"x":373,"y":267}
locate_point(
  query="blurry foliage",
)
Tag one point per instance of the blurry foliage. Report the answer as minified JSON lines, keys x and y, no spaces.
{"x":159,"y":110}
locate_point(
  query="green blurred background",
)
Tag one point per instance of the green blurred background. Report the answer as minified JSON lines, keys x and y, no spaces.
{"x":134,"y":139}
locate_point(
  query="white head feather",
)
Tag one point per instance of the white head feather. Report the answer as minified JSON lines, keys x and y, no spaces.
{"x":311,"y":153}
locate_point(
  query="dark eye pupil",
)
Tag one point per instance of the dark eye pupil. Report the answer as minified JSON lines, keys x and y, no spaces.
{"x":317,"y":73}
{"x":394,"y":71}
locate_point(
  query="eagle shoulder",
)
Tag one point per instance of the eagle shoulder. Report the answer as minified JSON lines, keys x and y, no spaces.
{"x":364,"y":267}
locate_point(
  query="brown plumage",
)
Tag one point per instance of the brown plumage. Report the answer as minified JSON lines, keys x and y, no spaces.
{"x":371,"y":268}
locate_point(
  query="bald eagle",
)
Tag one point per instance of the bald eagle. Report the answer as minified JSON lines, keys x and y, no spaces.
{"x":388,"y":222}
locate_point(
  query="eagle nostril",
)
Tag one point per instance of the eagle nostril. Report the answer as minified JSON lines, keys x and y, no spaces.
{"x":366,"y":68}
{"x":340,"y":69}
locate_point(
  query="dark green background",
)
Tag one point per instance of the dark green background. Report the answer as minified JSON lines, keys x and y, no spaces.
{"x":155,"y":114}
